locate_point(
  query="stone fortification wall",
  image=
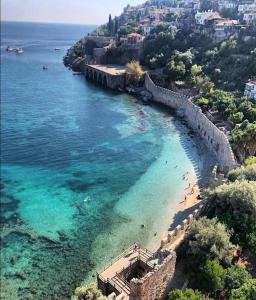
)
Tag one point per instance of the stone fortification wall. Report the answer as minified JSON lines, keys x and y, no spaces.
{"x":153,"y":285}
{"x":215,"y":139}
{"x":179,"y":231}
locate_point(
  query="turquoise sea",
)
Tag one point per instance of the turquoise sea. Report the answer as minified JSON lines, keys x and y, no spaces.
{"x":82,"y":167}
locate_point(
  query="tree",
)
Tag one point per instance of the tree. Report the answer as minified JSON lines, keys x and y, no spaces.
{"x":212,"y":277}
{"x":134,"y":72}
{"x":110,"y":25}
{"x":175,"y":70}
{"x":235,"y":205}
{"x":237,"y":198}
{"x":235,"y":277}
{"x":250,"y":161}
{"x":244,"y":140}
{"x":244,"y":173}
{"x":207,"y":239}
{"x":246,"y":292}
{"x":237,"y":117}
{"x":186,"y":295}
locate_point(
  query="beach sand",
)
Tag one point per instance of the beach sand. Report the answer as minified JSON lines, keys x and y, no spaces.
{"x":189,"y":200}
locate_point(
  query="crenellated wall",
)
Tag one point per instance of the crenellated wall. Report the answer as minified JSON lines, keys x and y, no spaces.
{"x":214,"y":138}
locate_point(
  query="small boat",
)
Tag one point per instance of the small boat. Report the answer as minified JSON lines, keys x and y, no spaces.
{"x":9,"y":48}
{"x":57,"y":49}
{"x":19,"y":50}
{"x":45,"y":68}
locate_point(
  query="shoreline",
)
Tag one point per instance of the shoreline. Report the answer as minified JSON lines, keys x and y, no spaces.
{"x":189,"y":201}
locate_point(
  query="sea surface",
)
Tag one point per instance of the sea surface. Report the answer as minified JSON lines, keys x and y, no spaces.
{"x":82,"y":167}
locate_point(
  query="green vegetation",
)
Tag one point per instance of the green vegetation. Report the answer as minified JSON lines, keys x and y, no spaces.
{"x":246,"y":292}
{"x":88,"y":293}
{"x":134,"y":72}
{"x":187,"y":295}
{"x":208,"y":249}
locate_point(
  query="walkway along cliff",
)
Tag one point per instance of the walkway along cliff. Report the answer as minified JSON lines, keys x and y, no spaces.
{"x":214,"y":138}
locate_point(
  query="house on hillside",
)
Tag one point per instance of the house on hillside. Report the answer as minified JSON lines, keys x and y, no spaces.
{"x":224,"y":28}
{"x":250,"y":17}
{"x":146,"y":26}
{"x":133,"y":39}
{"x":250,"y":89}
{"x":202,"y":18}
{"x":247,"y":7}
{"x":227,"y":4}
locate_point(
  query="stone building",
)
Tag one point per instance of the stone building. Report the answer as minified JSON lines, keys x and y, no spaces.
{"x":138,"y":274}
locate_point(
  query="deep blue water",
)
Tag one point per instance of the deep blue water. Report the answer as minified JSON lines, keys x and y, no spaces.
{"x":82,"y":167}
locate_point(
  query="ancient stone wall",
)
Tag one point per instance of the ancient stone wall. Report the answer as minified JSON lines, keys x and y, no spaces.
{"x":214,"y":138}
{"x":181,"y":229}
{"x":153,"y":285}
{"x":102,"y":78}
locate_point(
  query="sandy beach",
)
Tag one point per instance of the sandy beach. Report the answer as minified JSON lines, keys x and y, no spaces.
{"x":192,"y":196}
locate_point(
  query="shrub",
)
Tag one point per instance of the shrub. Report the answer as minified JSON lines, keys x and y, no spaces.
{"x":246,"y":292}
{"x":134,"y":72}
{"x":212,"y":277}
{"x":187,"y":295}
{"x":244,"y":173}
{"x":207,"y":239}
{"x":250,"y":160}
{"x":235,"y":277}
{"x":238,"y":198}
{"x":88,"y":293}
{"x":203,"y":101}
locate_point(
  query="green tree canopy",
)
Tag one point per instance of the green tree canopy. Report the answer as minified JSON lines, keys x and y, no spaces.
{"x":187,"y":295}
{"x":246,"y":292}
{"x":207,"y":239}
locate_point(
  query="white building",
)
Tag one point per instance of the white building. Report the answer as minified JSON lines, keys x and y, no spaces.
{"x":202,"y":17}
{"x":250,"y":89}
{"x":249,"y":17}
{"x":146,"y":29}
{"x":227,"y":4}
{"x":247,"y":7}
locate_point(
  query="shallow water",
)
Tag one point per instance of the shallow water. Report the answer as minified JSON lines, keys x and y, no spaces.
{"x":82,"y":167}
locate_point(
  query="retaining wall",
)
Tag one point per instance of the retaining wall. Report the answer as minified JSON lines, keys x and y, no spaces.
{"x":214,"y":138}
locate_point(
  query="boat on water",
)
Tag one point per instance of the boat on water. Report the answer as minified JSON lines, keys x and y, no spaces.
{"x":45,"y":68}
{"x":19,"y":50}
{"x":57,"y":49}
{"x":9,"y":48}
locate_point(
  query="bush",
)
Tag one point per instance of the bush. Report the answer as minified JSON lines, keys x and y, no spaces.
{"x":246,"y":292}
{"x":212,"y":277}
{"x":134,"y":72}
{"x":187,"y":295}
{"x":235,"y":277}
{"x":206,"y":240}
{"x":244,"y":173}
{"x":237,"y":198}
{"x":203,"y":101}
{"x":250,"y":160}
{"x":88,"y":293}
